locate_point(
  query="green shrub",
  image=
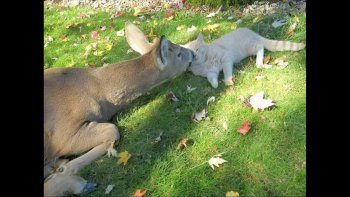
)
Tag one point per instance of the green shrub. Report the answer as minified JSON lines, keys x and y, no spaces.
{"x":216,"y":3}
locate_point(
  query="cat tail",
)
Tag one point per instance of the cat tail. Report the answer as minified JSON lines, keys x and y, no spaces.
{"x":276,"y":45}
{"x":136,"y":39}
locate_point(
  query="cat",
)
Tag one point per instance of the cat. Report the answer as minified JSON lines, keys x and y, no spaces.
{"x":221,"y":54}
{"x":231,"y":48}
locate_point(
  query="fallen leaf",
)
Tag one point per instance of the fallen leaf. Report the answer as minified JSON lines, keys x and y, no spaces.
{"x":259,"y":77}
{"x":241,"y":97}
{"x":103,"y":28}
{"x":138,"y":193}
{"x":199,"y":115}
{"x":239,"y":14}
{"x":49,"y":39}
{"x":71,"y":25}
{"x":211,"y":28}
{"x":215,"y":161}
{"x":169,"y":16}
{"x":81,"y":15}
{"x":158,"y":139}
{"x":178,"y":28}
{"x":171,"y":97}
{"x":120,"y":32}
{"x":190,"y":89}
{"x":211,"y":99}
{"x":258,"y":103}
{"x":98,"y":53}
{"x":278,"y":23}
{"x":84,"y":36}
{"x":182,"y":143}
{"x":129,"y":51}
{"x":267,"y":59}
{"x":124,"y":157}
{"x":94,"y":34}
{"x":151,"y":34}
{"x":63,"y":36}
{"x":192,"y":28}
{"x":292,"y":27}
{"x":232,"y":194}
{"x":300,"y":165}
{"x":109,"y":189}
{"x":244,"y":128}
{"x":177,"y":110}
{"x":75,"y":44}
{"x":211,"y":15}
{"x":257,"y":19}
{"x":291,"y":33}
{"x":110,"y":27}
{"x":230,"y":18}
{"x":224,"y":125}
{"x":108,"y":46}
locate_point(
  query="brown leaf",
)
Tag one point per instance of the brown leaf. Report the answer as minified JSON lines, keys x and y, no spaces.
{"x":63,"y":36}
{"x":267,"y":59}
{"x":171,"y":97}
{"x":182,"y":143}
{"x":138,"y":193}
{"x":94,"y":34}
{"x":244,"y":128}
{"x":291,"y":33}
{"x":169,"y":16}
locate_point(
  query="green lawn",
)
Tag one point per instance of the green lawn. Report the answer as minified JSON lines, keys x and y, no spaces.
{"x":261,"y":163}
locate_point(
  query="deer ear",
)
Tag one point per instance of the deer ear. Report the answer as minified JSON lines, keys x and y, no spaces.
{"x":164,"y":47}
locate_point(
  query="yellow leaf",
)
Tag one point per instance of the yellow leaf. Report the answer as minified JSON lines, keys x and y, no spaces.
{"x":139,"y":11}
{"x":89,"y":24}
{"x":65,"y":39}
{"x":155,"y":23}
{"x":124,"y":157}
{"x":71,"y":64}
{"x":108,"y":46}
{"x":181,"y":27}
{"x":232,"y":194}
{"x":151,"y":34}
{"x":98,"y":53}
{"x":211,"y":28}
{"x":233,"y":26}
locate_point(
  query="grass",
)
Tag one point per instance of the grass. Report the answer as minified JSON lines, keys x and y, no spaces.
{"x":262,"y":163}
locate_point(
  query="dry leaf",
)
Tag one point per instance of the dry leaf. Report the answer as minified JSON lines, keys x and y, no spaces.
{"x":169,"y":16}
{"x":211,"y":99}
{"x":224,"y":125}
{"x":49,"y":39}
{"x":151,"y":34}
{"x":211,"y":15}
{"x":171,"y":97}
{"x":180,"y":27}
{"x":199,"y":115}
{"x":192,"y":28}
{"x":239,"y":14}
{"x":63,"y":36}
{"x":109,"y":189}
{"x":244,"y":128}
{"x":98,"y":53}
{"x":230,"y":18}
{"x":258,"y":103}
{"x":300,"y":165}
{"x":103,"y":28}
{"x":94,"y":34}
{"x":257,"y":19}
{"x":241,"y":97}
{"x":157,"y":139}
{"x":267,"y":59}
{"x":292,"y":27}
{"x":182,"y":143}
{"x":291,"y":33}
{"x":120,"y":32}
{"x":108,"y":46}
{"x":211,"y":28}
{"x":190,"y":89}
{"x":259,"y":77}
{"x":232,"y":194}
{"x":138,"y":193}
{"x":215,"y":161}
{"x":124,"y":157}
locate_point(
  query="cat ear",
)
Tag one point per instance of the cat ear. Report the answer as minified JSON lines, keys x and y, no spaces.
{"x":200,"y":37}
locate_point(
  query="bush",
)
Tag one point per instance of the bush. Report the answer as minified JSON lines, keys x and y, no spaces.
{"x":217,"y":3}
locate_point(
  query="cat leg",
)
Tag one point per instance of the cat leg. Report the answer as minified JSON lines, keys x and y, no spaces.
{"x":228,"y":68}
{"x":260,"y":59}
{"x":213,"y":78}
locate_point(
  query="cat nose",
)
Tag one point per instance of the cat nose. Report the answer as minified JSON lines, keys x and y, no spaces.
{"x":193,"y":55}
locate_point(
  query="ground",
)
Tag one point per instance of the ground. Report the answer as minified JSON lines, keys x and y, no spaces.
{"x":267,"y":161}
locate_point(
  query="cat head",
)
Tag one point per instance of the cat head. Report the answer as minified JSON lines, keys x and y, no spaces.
{"x":199,"y":47}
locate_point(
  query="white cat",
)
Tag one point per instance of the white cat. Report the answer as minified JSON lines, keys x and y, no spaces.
{"x":222,"y":53}
{"x":231,"y":48}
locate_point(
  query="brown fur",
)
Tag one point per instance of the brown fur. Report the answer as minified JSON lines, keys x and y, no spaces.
{"x":78,"y":103}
